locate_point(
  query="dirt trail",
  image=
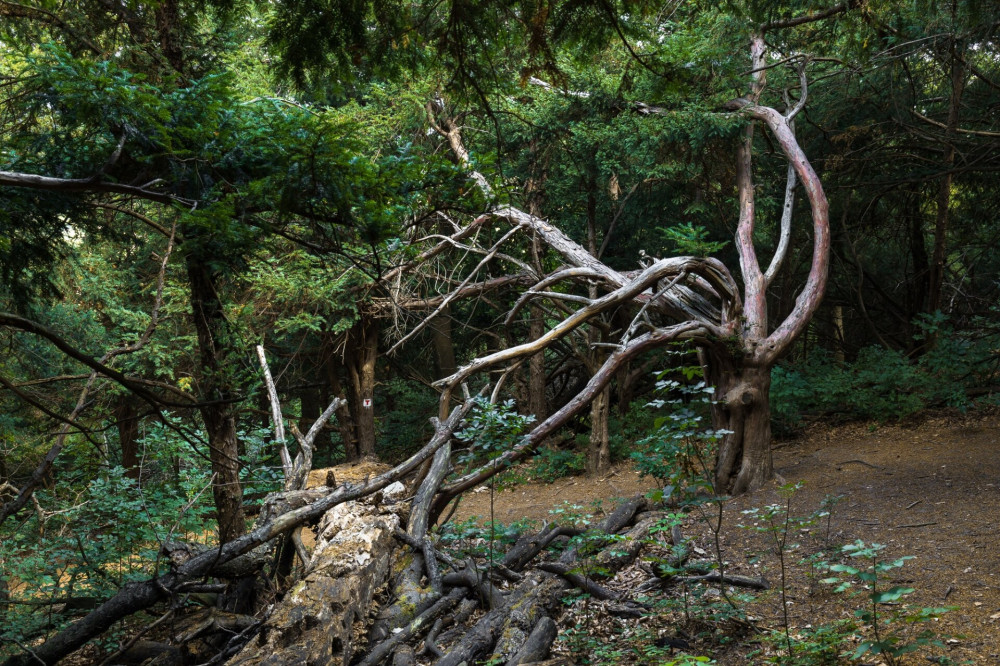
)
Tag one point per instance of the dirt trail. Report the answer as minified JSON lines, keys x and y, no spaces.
{"x":929,"y":490}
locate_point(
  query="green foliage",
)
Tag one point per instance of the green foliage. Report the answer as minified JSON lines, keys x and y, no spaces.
{"x":884,"y":614}
{"x":820,"y":645}
{"x":550,"y":464}
{"x":403,"y":426}
{"x":883,"y":384}
{"x":92,"y":542}
{"x":680,"y":453}
{"x":491,"y":429}
{"x":472,"y":538}
{"x":689,"y":239}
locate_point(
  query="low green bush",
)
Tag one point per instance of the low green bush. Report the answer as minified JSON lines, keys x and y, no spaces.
{"x":884,"y":384}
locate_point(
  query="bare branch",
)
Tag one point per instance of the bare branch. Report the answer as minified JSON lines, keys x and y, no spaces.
{"x":661,"y":269}
{"x":811,"y":295}
{"x":960,"y":130}
{"x":596,"y":384}
{"x":575,"y":273}
{"x":450,"y":297}
{"x":276,"y":420}
{"x":786,"y":229}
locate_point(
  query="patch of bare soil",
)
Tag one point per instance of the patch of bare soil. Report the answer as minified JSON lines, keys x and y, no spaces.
{"x":930,"y":490}
{"x":536,"y":500}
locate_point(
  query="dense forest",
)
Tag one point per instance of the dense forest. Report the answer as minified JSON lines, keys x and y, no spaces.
{"x":441,"y":244}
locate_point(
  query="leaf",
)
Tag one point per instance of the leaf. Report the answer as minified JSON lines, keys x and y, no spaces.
{"x":863,"y":648}
{"x":892,"y":594}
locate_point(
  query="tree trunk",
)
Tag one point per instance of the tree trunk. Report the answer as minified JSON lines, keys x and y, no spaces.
{"x":742,"y":406}
{"x":937,"y":267}
{"x":215,"y":394}
{"x":362,"y":351}
{"x":127,"y":420}
{"x":599,"y":450}
{"x":345,"y":423}
{"x":537,"y":403}
{"x":444,"y":350}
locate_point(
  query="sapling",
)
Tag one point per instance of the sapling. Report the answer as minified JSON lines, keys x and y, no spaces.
{"x":871,"y":574}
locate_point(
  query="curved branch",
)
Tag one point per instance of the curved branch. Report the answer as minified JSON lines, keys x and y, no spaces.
{"x":661,"y":269}
{"x":29,"y":326}
{"x":600,"y":379}
{"x":812,"y":293}
{"x":563,"y":274}
{"x":786,"y":226}
{"x":451,"y":296}
{"x":680,"y":303}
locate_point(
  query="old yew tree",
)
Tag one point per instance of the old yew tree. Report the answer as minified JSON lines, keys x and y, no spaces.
{"x":282,"y":280}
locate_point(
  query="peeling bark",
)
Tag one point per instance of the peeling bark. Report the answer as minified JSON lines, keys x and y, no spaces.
{"x":316,"y":623}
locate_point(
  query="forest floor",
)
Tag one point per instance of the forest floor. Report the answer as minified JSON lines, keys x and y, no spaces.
{"x":929,"y":489}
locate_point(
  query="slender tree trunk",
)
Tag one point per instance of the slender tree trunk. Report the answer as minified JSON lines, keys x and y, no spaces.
{"x":444,"y":349}
{"x":837,"y":320}
{"x":599,"y":451}
{"x":362,"y":352}
{"x":127,"y":421}
{"x":537,"y":403}
{"x":345,"y":422}
{"x":937,"y":269}
{"x":216,"y":395}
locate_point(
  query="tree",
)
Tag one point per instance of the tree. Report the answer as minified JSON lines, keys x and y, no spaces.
{"x":738,"y":346}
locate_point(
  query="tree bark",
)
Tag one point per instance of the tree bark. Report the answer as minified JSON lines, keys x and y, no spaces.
{"x":599,"y":450}
{"x":444,"y":350}
{"x":742,"y":407}
{"x":345,"y":422}
{"x":216,"y":396}
{"x":127,"y":421}
{"x":362,"y":352}
{"x":937,"y":267}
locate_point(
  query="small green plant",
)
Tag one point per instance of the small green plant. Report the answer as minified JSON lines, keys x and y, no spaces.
{"x":551,"y":464}
{"x":777,"y":524}
{"x":471,"y":538}
{"x":490,"y":430}
{"x":813,"y":646}
{"x":680,"y":452}
{"x":883,"y":612}
{"x":691,"y":239}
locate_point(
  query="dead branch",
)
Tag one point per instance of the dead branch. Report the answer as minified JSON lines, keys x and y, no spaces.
{"x":141,"y":595}
{"x":276,"y":421}
{"x":728,"y":579}
{"x":600,"y":379}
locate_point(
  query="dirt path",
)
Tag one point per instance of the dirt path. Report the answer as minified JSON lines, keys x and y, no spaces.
{"x":929,"y":490}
